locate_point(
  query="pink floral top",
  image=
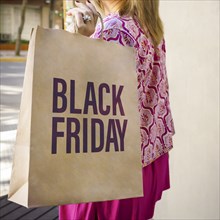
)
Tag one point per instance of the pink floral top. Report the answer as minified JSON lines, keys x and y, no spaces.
{"x":157,"y":125}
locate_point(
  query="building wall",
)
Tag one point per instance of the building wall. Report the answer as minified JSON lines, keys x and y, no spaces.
{"x":10,"y":19}
{"x":45,"y":17}
{"x":192,"y":42}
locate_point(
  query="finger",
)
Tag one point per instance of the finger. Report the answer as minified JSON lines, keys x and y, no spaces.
{"x":79,"y":19}
{"x":73,"y":11}
{"x":92,"y":7}
{"x":82,"y":11}
{"x":85,"y":7}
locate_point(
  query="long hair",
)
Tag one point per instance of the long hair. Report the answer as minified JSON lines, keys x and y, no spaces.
{"x":147,"y":13}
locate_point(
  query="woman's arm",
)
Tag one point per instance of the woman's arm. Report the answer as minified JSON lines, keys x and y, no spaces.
{"x":114,"y":34}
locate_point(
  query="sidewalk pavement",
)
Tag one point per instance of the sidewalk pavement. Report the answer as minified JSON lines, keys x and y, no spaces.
{"x":11,"y":81}
{"x":9,"y":56}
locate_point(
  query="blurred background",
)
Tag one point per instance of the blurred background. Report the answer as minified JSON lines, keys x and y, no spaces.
{"x":46,"y":13}
{"x":14,"y":16}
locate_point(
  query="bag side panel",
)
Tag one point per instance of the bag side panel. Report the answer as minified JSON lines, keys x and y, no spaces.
{"x":18,"y":191}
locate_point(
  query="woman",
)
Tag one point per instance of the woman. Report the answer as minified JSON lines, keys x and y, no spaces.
{"x":137,"y":24}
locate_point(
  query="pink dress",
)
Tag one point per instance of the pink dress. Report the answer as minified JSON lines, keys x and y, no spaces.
{"x":157,"y":127}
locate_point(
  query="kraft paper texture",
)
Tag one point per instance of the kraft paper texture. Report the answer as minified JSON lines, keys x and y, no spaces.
{"x":69,"y":147}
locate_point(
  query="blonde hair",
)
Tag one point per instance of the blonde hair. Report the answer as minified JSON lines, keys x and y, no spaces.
{"x":147,"y":14}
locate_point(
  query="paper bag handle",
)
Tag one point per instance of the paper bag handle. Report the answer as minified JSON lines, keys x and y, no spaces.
{"x":102,"y":23}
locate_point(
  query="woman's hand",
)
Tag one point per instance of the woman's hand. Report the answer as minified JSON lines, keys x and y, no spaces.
{"x":85,"y":27}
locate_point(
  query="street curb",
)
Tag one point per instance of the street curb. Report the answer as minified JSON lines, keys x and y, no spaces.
{"x":12,"y":59}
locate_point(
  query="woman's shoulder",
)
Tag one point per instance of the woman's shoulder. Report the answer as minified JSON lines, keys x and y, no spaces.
{"x":124,"y":23}
{"x":116,"y":29}
{"x":129,"y":25}
{"x":123,"y":28}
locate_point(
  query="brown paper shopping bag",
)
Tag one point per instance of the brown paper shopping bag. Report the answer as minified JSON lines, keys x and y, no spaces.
{"x":78,"y":137}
